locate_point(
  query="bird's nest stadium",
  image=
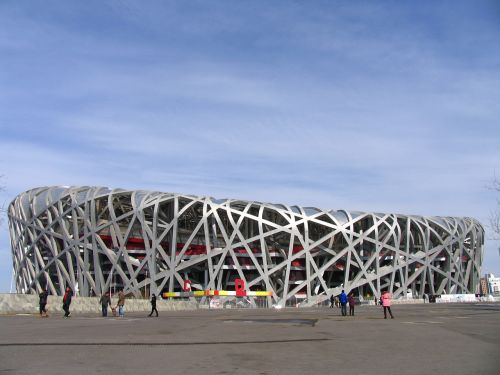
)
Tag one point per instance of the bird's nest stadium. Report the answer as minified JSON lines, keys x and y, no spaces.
{"x":93,"y":239}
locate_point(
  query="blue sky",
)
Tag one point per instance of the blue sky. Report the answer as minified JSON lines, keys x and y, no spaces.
{"x":373,"y":106}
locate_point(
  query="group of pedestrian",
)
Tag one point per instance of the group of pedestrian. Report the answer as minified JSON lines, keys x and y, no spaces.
{"x":341,"y":301}
{"x":43,"y":299}
{"x":105,"y":302}
{"x":344,"y":300}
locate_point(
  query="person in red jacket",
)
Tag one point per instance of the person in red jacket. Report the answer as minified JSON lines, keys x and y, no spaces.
{"x":386,"y":302}
{"x":67,"y":301}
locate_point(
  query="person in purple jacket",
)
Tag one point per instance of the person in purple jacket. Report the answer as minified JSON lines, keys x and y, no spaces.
{"x":352,"y":302}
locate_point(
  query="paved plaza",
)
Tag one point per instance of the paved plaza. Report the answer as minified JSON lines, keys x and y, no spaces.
{"x":422,"y":339}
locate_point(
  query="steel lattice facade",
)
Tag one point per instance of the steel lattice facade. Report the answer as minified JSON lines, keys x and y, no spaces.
{"x":93,"y":239}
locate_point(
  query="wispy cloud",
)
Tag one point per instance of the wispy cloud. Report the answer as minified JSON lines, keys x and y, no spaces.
{"x":370,"y":106}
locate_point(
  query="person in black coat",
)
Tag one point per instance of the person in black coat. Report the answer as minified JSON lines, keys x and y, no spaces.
{"x":43,"y":302}
{"x":105,"y":301}
{"x":153,"y":305}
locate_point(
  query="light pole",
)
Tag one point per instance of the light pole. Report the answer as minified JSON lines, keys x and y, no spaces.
{"x":12,"y":280}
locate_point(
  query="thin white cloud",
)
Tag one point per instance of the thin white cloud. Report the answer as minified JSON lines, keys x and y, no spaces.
{"x":333,"y":106}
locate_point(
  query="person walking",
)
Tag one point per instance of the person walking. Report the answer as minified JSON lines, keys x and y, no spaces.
{"x":67,"y":301}
{"x":352,"y":302}
{"x":105,"y":301}
{"x":121,"y":304}
{"x":332,"y":301}
{"x":43,"y":303}
{"x":343,"y":303}
{"x":153,"y":305}
{"x":386,"y":303}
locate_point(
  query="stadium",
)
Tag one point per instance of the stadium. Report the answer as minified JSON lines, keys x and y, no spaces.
{"x":96,"y":239}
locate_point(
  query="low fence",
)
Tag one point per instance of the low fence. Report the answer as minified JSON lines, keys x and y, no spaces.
{"x":28,"y":304}
{"x":457,"y":298}
{"x":444,"y":298}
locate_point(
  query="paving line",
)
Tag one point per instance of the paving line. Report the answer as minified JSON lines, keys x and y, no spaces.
{"x":26,"y":344}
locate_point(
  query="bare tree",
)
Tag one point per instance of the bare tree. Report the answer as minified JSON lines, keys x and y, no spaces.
{"x":2,"y":208}
{"x":495,"y":214}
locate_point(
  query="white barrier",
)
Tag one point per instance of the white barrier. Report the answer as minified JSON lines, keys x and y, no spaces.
{"x":457,"y":298}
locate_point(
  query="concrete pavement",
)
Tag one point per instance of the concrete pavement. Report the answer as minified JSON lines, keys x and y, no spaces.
{"x":422,"y":339}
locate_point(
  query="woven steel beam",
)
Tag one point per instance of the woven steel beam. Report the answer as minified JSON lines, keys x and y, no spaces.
{"x":96,"y":239}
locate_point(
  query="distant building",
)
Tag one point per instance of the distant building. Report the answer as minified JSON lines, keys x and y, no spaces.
{"x":483,"y":285}
{"x":94,"y":239}
{"x":493,"y":284}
